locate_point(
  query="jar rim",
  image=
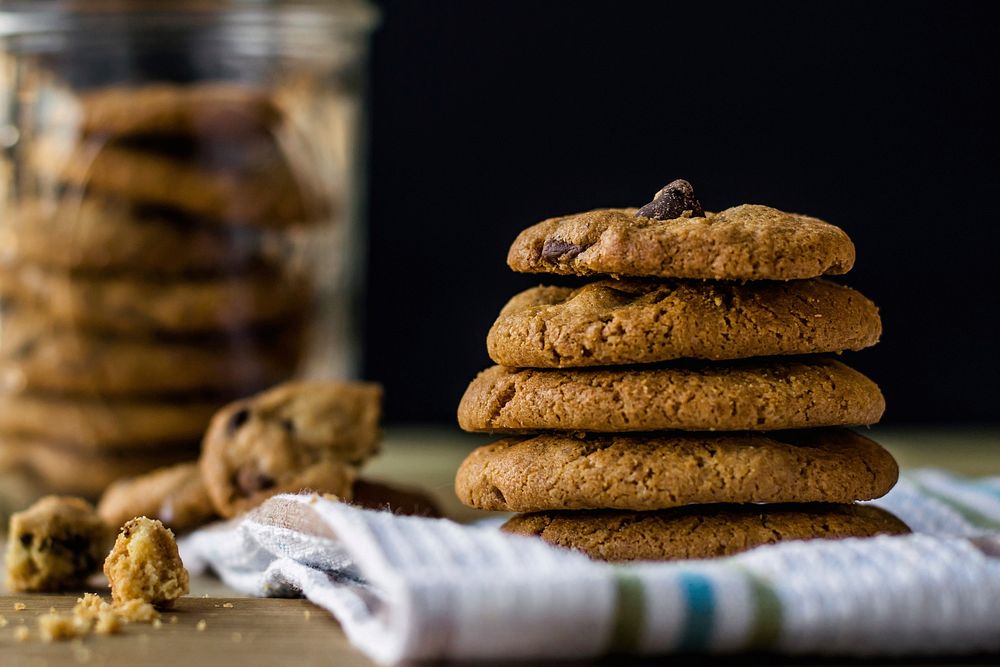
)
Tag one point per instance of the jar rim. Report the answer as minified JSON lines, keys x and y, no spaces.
{"x":26,"y":17}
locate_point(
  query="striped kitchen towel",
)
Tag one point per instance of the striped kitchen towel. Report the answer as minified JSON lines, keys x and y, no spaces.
{"x":407,"y":588}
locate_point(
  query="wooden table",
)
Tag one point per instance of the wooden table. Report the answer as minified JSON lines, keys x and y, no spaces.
{"x":275,"y":632}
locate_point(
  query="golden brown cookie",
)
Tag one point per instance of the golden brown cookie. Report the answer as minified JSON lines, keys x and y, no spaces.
{"x":133,"y":305}
{"x":704,"y":531}
{"x":103,"y":235}
{"x":55,"y":545}
{"x":748,"y":242}
{"x":61,"y":468}
{"x":240,"y":183}
{"x":144,"y":565}
{"x":96,"y":424}
{"x":175,"y":495}
{"x":297,"y":436}
{"x":649,"y":471}
{"x":39,"y":356}
{"x":751,"y":395}
{"x":214,"y":108}
{"x":612,"y":322}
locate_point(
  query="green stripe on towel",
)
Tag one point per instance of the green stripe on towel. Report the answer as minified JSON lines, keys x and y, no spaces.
{"x":630,"y":616}
{"x":767,"y":614}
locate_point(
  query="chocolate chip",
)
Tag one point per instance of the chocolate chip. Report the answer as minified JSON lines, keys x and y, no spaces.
{"x":288,"y":425}
{"x":26,"y":540}
{"x":250,"y":480}
{"x":671,"y":202}
{"x":554,"y":249}
{"x":239,"y":418}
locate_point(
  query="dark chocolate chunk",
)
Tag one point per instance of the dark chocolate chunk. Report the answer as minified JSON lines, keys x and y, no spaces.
{"x":250,"y":480}
{"x":554,"y":249}
{"x":288,"y":425}
{"x":671,"y":202}
{"x":239,"y":418}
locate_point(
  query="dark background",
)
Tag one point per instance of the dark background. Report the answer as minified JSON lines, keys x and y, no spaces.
{"x":878,"y":117}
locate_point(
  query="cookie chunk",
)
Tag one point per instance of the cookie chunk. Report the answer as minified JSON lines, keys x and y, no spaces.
{"x":748,"y":242}
{"x":752,"y":395}
{"x":134,"y":305}
{"x":613,"y":322}
{"x":57,"y":467}
{"x":651,"y":471}
{"x":175,"y":495}
{"x":38,"y":356}
{"x":701,"y":532}
{"x":97,"y":424}
{"x":144,"y":565}
{"x":55,"y":545}
{"x":304,"y":435}
{"x":217,"y":109}
{"x":242,"y":183}
{"x":104,"y":235}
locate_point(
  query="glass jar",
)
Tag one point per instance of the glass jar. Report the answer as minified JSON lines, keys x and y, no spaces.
{"x":180,"y":187}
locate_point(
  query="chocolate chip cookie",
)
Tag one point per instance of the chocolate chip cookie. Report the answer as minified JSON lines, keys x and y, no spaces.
{"x":300,"y":435}
{"x":216,"y":109}
{"x":95,"y":424}
{"x":54,"y":545}
{"x":135,"y":305}
{"x":748,"y":395}
{"x":175,"y":495}
{"x":748,"y":242}
{"x":658,"y":471}
{"x":103,"y":235}
{"x":706,"y":531}
{"x":39,"y":356}
{"x":612,"y":322}
{"x":64,"y":468}
{"x":238,"y":183}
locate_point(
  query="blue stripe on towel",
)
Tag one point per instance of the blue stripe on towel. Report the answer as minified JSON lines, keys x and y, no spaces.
{"x":700,"y":600}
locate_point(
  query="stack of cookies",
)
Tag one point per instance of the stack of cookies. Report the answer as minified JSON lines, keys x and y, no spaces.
{"x":146,"y":275}
{"x":679,"y":406}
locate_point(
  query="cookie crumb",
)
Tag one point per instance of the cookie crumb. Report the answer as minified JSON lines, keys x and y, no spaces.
{"x":108,"y":623}
{"x":54,"y":626}
{"x":236,"y":637}
{"x":20,"y":606}
{"x":173,"y":620}
{"x":157,"y":624}
{"x":201,"y":626}
{"x":136,"y":611}
{"x":307,"y":614}
{"x":21,"y":633}
{"x":3,"y":621}
{"x":227,"y":605}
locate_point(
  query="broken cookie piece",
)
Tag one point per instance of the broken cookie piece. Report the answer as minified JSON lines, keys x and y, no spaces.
{"x":175,"y":495}
{"x":55,"y":545}
{"x":144,"y":565}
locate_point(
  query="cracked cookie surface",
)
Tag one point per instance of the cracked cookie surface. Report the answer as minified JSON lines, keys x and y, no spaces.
{"x":613,"y":322}
{"x":748,"y":242}
{"x":658,"y":471}
{"x":701,"y":532}
{"x":753,"y":395}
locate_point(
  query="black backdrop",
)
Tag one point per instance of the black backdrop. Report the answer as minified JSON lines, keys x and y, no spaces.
{"x":879,"y":117}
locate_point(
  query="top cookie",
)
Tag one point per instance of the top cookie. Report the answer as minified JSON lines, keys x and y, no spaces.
{"x":748,"y":242}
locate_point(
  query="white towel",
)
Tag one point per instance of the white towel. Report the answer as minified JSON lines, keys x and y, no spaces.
{"x":406,"y":588}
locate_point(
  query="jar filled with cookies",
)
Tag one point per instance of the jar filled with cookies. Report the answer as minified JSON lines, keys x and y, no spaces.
{"x":179,"y":186}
